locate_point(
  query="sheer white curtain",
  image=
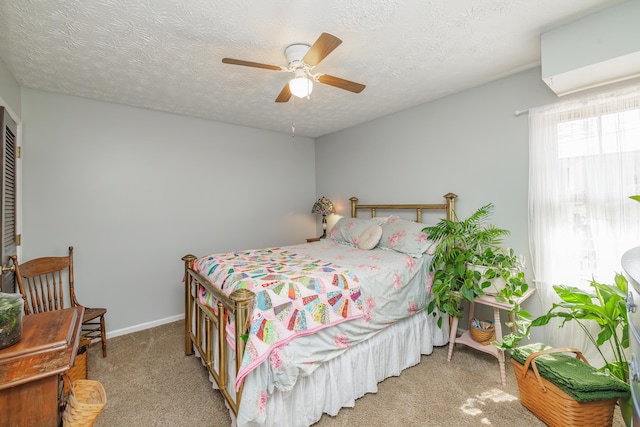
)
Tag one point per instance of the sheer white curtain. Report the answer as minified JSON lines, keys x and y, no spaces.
{"x":584,"y":163}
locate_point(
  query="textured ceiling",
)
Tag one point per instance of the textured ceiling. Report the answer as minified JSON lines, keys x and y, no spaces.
{"x":166,"y":54}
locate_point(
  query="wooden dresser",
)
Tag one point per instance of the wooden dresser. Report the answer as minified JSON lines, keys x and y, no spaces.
{"x":30,"y":385}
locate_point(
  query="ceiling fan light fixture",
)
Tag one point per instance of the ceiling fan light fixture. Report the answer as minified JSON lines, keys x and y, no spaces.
{"x":301,"y":87}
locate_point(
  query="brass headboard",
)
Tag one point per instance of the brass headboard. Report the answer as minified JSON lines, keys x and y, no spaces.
{"x":448,"y":207}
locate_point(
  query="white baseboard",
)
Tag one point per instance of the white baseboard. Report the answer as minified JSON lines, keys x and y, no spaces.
{"x":143,"y":326}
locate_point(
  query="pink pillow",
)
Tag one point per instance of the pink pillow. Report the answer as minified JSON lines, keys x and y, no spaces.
{"x":406,"y":237}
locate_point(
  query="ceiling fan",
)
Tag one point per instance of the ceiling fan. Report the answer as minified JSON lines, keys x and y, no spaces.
{"x":302,"y":58}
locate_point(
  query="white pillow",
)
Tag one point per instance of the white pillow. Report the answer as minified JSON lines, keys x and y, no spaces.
{"x":370,"y":237}
{"x":349,"y":230}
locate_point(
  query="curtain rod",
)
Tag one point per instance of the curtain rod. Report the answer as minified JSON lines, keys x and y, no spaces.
{"x":525,"y":111}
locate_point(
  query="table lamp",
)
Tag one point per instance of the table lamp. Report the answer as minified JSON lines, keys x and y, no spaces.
{"x":323,"y":207}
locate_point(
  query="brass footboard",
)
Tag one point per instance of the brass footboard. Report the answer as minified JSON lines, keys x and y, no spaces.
{"x":201,"y":323}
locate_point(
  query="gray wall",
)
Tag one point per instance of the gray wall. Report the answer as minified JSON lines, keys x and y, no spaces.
{"x":109,"y":179}
{"x":134,"y":190}
{"x":470,"y":143}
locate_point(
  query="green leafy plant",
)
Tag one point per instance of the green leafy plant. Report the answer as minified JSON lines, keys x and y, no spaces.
{"x":463,"y":244}
{"x":10,"y":319}
{"x":606,"y":306}
{"x":500,"y":264}
{"x":603,"y":304}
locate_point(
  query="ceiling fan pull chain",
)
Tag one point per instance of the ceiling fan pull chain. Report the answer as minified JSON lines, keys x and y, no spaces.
{"x":293,"y":119}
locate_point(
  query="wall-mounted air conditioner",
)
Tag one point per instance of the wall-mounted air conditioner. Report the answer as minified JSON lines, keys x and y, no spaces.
{"x":593,"y":51}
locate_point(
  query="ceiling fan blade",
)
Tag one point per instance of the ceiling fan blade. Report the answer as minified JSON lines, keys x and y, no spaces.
{"x":250,"y":64}
{"x":325,"y":44}
{"x":341,"y":83}
{"x":285,"y":94}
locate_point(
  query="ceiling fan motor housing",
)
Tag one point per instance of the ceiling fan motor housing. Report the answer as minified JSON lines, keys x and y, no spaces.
{"x":295,"y":53}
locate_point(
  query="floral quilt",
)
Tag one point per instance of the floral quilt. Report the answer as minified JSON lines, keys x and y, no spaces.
{"x":296,"y":295}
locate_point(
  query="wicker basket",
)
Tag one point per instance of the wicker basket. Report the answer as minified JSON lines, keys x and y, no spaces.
{"x":483,"y":336}
{"x":80,"y":369}
{"x":552,"y":405}
{"x":85,"y":402}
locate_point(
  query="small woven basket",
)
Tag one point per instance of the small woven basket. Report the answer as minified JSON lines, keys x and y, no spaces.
{"x":483,"y":336}
{"x":555,"y":407}
{"x":84,"y":403}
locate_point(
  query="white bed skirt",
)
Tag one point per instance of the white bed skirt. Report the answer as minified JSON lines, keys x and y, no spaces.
{"x":335,"y":384}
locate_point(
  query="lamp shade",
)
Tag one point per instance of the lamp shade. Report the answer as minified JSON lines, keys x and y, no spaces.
{"x":323,"y":207}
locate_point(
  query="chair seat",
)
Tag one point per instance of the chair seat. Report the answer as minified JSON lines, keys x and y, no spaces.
{"x":93,"y":313}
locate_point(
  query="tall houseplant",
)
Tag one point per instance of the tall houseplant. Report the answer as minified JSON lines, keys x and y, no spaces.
{"x":463,"y":244}
{"x":606,"y":306}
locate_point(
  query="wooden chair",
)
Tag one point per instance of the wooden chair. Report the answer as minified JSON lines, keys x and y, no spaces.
{"x":41,"y":283}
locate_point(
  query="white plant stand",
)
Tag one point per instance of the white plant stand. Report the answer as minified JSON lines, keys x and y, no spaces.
{"x":465,"y":338}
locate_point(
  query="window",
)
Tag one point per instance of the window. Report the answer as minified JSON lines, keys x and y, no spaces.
{"x":595,"y":154}
{"x":584,"y":163}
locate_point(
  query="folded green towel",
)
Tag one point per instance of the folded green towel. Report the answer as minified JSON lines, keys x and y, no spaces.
{"x":579,"y":380}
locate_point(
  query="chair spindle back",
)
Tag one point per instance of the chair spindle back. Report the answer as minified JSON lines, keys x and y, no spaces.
{"x":42,"y":282}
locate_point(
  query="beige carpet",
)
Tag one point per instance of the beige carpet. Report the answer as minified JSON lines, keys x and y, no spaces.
{"x":150,"y":382}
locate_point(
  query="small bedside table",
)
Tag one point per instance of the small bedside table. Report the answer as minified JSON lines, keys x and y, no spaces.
{"x":313,"y":239}
{"x":465,"y":338}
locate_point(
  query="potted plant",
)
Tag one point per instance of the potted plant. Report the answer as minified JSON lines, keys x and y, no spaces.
{"x":468,"y":259}
{"x":10,"y":319}
{"x":501,"y":272}
{"x":606,"y":307}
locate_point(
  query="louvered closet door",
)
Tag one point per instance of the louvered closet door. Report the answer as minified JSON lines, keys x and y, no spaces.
{"x":8,"y":198}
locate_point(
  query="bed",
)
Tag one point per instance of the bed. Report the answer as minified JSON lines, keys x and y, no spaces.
{"x":289,"y":333}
